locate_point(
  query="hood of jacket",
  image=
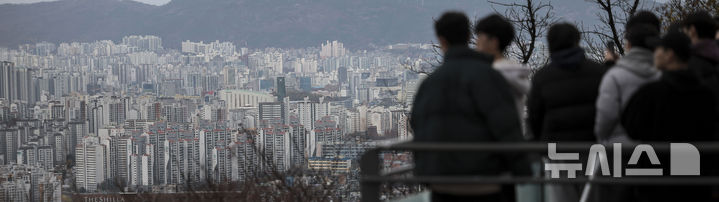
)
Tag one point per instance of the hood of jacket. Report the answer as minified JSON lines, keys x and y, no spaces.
{"x":639,"y":61}
{"x":708,"y":49}
{"x":570,"y":58}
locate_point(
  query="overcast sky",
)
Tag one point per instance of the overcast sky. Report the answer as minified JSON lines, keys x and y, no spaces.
{"x":153,"y":2}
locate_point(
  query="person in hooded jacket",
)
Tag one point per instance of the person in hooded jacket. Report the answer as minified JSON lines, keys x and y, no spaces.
{"x":701,"y":30}
{"x":618,"y":85}
{"x":675,"y":108}
{"x":620,"y":82}
{"x":561,"y":102}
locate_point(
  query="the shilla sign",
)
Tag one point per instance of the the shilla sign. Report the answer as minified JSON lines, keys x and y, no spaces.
{"x":684,"y":161}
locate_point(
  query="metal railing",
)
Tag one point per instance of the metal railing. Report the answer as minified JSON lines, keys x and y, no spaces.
{"x":372,"y":176}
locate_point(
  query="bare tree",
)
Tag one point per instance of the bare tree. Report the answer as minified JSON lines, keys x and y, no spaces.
{"x":675,"y":10}
{"x":593,"y":44}
{"x":426,"y":65}
{"x":613,"y":15}
{"x":531,"y":19}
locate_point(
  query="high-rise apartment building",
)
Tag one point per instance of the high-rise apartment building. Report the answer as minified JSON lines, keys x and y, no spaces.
{"x":236,"y":99}
{"x":281,"y":88}
{"x":143,"y":43}
{"x":45,"y":157}
{"x":10,"y":142}
{"x":7,"y":81}
{"x":89,"y":166}
{"x":332,"y":49}
{"x":184,"y":160}
{"x":275,"y":145}
{"x":273,"y":113}
{"x":17,"y":83}
{"x":119,"y":162}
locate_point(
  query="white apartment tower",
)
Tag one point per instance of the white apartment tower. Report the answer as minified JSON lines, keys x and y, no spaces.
{"x":332,"y":49}
{"x":89,"y":166}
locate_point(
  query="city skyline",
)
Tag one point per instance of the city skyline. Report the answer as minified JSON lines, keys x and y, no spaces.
{"x":137,"y":116}
{"x":274,"y":100}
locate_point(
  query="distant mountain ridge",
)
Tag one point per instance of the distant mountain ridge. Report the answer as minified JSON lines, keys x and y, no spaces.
{"x":252,"y":23}
{"x":257,"y":23}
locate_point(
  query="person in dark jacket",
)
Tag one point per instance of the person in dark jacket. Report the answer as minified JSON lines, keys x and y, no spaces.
{"x":676,"y":108}
{"x":494,"y":34}
{"x":716,"y":21}
{"x":562,"y":101}
{"x":701,"y":29}
{"x":465,"y":100}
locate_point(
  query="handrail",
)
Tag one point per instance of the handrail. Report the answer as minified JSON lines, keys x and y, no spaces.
{"x":373,"y":177}
{"x":533,"y":147}
{"x":535,"y":180}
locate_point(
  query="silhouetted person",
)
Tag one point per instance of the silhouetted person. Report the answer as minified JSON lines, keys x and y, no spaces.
{"x":645,"y":17}
{"x":676,"y":108}
{"x":561,"y":103}
{"x":716,"y":21}
{"x":701,"y":30}
{"x":464,"y":100}
{"x":494,"y":34}
{"x":641,"y":17}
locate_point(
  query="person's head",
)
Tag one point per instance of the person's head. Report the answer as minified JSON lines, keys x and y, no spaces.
{"x":494,"y":34}
{"x":638,"y":34}
{"x":675,"y":27}
{"x":452,"y":29}
{"x":563,"y":36}
{"x":699,"y":25}
{"x":644,"y":17}
{"x":672,"y":51}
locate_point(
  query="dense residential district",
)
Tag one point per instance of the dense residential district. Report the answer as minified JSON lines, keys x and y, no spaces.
{"x":131,"y":116}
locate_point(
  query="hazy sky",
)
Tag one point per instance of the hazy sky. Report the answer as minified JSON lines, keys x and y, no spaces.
{"x":153,"y":2}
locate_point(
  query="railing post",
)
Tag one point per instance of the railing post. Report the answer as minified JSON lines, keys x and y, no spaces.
{"x":369,"y":166}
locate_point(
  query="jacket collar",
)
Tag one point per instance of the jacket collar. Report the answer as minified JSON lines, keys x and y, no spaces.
{"x":707,"y":49}
{"x":568,"y":58}
{"x":680,"y":79}
{"x":464,"y":52}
